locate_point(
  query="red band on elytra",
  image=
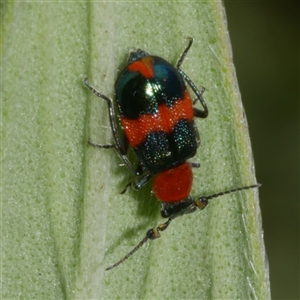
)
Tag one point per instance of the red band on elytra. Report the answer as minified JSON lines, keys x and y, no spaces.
{"x":165,"y":120}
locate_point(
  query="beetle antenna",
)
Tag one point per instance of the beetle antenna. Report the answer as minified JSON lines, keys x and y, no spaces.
{"x":203,"y":200}
{"x":151,"y":234}
{"x":137,"y":247}
{"x":233,"y":190}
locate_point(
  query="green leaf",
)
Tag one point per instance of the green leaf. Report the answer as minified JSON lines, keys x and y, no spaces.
{"x":63,"y":219}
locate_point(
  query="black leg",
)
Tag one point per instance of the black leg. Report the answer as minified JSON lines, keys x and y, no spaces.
{"x":184,"y":53}
{"x":137,"y":184}
{"x":197,"y":112}
{"x":120,"y":146}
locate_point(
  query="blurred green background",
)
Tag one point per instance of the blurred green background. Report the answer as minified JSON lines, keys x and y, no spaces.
{"x":265,"y":41}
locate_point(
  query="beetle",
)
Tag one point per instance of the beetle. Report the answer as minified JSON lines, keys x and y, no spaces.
{"x":157,"y":115}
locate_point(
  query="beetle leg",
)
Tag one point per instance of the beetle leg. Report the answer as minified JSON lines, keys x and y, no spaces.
{"x":137,"y":184}
{"x":195,"y":164}
{"x":184,"y":53}
{"x":197,"y":134}
{"x":126,"y":187}
{"x":197,"y":112}
{"x":111,"y":112}
{"x":120,"y":146}
{"x":107,"y":146}
{"x":142,"y":181}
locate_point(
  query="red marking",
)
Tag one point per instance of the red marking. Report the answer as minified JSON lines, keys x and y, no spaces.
{"x":164,"y":120}
{"x":173,"y":185}
{"x":143,"y":66}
